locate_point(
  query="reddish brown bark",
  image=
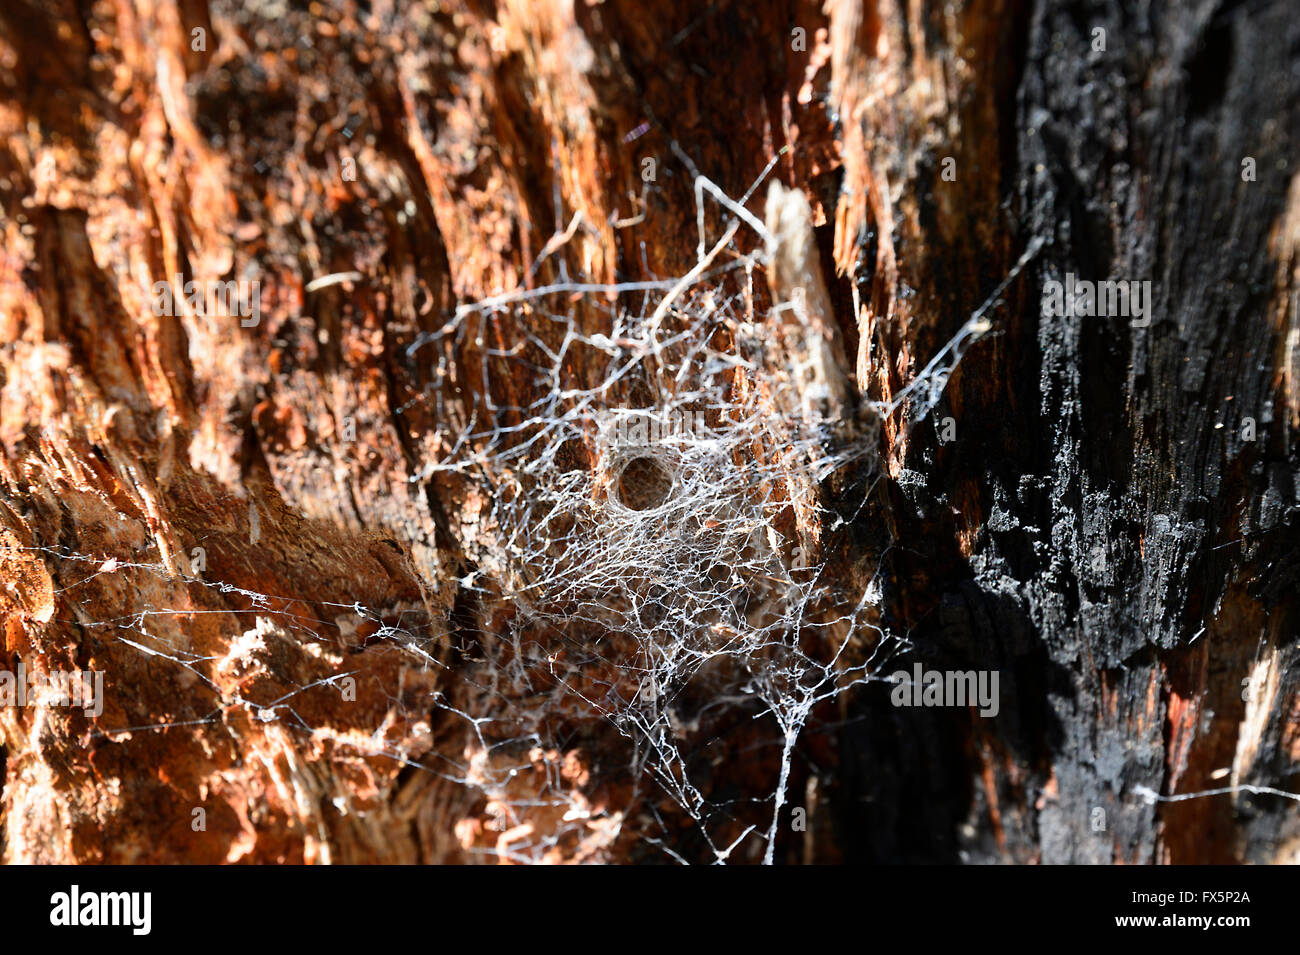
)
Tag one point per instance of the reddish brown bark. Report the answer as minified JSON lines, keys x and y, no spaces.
{"x":479,"y":132}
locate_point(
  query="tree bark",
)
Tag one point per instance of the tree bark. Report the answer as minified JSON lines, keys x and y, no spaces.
{"x":230,"y":521}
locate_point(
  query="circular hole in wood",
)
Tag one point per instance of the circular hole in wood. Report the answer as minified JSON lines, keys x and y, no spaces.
{"x":643,"y":483}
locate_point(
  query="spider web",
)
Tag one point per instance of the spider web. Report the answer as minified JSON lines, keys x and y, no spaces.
{"x":658,"y":531}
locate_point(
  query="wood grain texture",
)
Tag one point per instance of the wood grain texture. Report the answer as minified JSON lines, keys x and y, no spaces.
{"x":1099,"y":531}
